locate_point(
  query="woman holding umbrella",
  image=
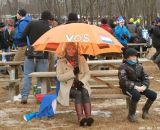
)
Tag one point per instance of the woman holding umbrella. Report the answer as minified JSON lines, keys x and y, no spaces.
{"x":73,"y":74}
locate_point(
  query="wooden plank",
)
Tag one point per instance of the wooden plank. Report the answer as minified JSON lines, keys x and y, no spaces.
{"x":99,"y":73}
{"x":11,"y":63}
{"x":9,"y":80}
{"x":117,"y":61}
{"x":137,"y":44}
{"x":102,"y":73}
{"x":101,"y":86}
{"x":43,"y":74}
{"x":102,"y":81}
{"x":108,"y":96}
{"x":105,"y":79}
{"x":107,"y":91}
{"x":8,"y":53}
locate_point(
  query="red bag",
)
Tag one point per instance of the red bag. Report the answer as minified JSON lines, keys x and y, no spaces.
{"x":39,"y":97}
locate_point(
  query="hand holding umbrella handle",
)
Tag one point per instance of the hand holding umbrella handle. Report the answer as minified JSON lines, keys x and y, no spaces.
{"x":76,"y":70}
{"x":78,"y":84}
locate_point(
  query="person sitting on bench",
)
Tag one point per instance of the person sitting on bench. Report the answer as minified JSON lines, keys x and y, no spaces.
{"x":73,"y":74}
{"x":134,"y":82}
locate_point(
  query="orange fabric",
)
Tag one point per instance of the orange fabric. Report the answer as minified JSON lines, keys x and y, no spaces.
{"x":91,"y":39}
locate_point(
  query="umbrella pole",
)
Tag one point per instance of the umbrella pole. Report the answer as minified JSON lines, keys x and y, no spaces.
{"x":77,"y":64}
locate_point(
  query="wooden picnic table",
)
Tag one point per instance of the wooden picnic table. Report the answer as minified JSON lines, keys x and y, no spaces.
{"x":9,"y":54}
{"x":12,"y":67}
{"x":141,"y":46}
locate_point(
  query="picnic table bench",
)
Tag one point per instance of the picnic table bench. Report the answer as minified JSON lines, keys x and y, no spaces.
{"x":8,"y":54}
{"x":13,"y":81}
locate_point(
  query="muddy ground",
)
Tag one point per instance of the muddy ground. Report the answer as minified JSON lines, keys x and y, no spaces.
{"x":108,"y":114}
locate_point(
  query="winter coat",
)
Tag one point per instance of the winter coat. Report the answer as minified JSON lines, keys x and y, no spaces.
{"x":132,"y":29}
{"x":20,"y":26}
{"x":119,"y":32}
{"x":34,"y":30}
{"x":156,"y":36}
{"x":107,"y":28}
{"x":66,"y":76}
{"x":4,"y":38}
{"x":131,"y":75}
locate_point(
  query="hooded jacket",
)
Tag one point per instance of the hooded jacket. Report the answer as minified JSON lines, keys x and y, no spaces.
{"x":20,"y":27}
{"x":119,"y":32}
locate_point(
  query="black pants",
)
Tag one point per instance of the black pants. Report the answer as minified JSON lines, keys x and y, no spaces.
{"x":135,"y":95}
{"x":80,"y":96}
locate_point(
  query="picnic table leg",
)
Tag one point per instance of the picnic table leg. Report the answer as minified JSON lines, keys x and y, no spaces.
{"x":12,"y":90}
{"x":43,"y":86}
{"x":141,"y":51}
{"x":13,"y":73}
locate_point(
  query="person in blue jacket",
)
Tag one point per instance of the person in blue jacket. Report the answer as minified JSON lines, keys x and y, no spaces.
{"x":121,"y":33}
{"x":21,"y":24}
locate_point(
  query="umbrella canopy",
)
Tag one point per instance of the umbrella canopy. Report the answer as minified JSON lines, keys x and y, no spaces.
{"x":91,"y":39}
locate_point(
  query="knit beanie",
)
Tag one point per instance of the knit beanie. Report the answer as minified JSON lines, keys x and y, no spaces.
{"x":46,"y":15}
{"x":130,"y":52}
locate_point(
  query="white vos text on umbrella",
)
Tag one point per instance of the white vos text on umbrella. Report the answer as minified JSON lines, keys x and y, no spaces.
{"x":78,"y":38}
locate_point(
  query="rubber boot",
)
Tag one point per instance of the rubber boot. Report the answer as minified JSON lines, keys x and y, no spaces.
{"x":145,"y":109}
{"x":87,"y":110}
{"x":132,"y":111}
{"x":79,"y":110}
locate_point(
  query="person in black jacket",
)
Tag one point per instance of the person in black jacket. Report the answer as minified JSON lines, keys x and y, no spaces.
{"x":155,"y":34}
{"x":134,"y":82}
{"x":33,"y":31}
{"x":4,"y":37}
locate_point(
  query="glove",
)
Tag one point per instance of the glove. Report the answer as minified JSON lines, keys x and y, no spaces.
{"x":76,"y":70}
{"x":78,"y":84}
{"x":124,"y":37}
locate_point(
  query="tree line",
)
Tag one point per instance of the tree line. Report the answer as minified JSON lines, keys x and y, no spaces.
{"x":92,"y":9}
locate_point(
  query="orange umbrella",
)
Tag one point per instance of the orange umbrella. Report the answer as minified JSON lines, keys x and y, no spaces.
{"x":91,"y":39}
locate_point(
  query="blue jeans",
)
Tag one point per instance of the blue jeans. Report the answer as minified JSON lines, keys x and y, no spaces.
{"x":32,"y":65}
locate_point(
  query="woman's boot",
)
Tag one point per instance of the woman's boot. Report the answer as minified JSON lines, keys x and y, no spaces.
{"x":79,"y":110}
{"x":87,"y":110}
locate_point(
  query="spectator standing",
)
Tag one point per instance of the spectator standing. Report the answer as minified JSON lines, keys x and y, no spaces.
{"x":4,"y":40}
{"x":34,"y":30}
{"x":155,"y":34}
{"x":20,"y":25}
{"x":105,"y":26}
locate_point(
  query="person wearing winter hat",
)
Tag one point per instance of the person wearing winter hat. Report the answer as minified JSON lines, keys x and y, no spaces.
{"x":134,"y":82}
{"x":72,"y":18}
{"x":121,"y":33}
{"x":33,"y":31}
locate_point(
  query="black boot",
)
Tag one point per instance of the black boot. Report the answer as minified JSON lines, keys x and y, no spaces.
{"x":79,"y":110}
{"x":87,"y":110}
{"x":132,"y":111}
{"x":145,"y":109}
